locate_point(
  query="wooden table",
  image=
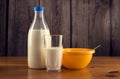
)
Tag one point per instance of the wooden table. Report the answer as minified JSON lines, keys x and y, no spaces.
{"x":99,"y":68}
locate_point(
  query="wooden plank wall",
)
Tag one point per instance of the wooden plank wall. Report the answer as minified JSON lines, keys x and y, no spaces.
{"x":83,"y":23}
{"x":115,"y":29}
{"x":91,"y":24}
{"x":3,"y":10}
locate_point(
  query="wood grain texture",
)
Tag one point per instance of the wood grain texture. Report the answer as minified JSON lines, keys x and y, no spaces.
{"x":115,"y":21}
{"x":83,"y":23}
{"x":57,"y":14}
{"x":3,"y":9}
{"x":20,"y":18}
{"x":99,"y":27}
{"x":16,"y":68}
{"x":91,"y":25}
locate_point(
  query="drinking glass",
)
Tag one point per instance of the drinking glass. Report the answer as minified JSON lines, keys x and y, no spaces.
{"x":53,"y":50}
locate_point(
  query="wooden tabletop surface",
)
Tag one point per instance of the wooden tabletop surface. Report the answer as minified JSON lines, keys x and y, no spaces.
{"x":99,"y":68}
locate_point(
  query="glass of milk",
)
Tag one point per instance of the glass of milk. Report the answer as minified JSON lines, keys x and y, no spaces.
{"x":53,"y":50}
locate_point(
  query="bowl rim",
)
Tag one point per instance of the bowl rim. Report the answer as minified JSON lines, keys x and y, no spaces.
{"x":78,"y":51}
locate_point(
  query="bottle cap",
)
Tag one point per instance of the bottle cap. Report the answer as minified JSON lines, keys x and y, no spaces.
{"x":38,"y":8}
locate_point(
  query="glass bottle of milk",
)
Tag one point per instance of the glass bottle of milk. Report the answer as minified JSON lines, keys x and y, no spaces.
{"x":37,"y":31}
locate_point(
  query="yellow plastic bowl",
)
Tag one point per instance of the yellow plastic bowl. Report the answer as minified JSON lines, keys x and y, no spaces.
{"x":77,"y":58}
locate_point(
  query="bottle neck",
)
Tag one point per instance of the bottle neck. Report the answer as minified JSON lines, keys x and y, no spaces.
{"x":39,"y":19}
{"x":39,"y":14}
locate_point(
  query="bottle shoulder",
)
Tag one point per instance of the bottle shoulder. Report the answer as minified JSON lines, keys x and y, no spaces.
{"x":39,"y":25}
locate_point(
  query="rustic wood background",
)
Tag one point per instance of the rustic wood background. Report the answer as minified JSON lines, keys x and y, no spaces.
{"x":83,"y":23}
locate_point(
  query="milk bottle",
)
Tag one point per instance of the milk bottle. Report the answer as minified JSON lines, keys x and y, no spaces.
{"x":37,"y":31}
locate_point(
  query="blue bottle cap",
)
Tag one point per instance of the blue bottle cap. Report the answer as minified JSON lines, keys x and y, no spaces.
{"x":38,"y":8}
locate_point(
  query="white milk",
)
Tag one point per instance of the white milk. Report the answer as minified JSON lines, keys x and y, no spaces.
{"x":36,"y":53}
{"x":54,"y":58}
